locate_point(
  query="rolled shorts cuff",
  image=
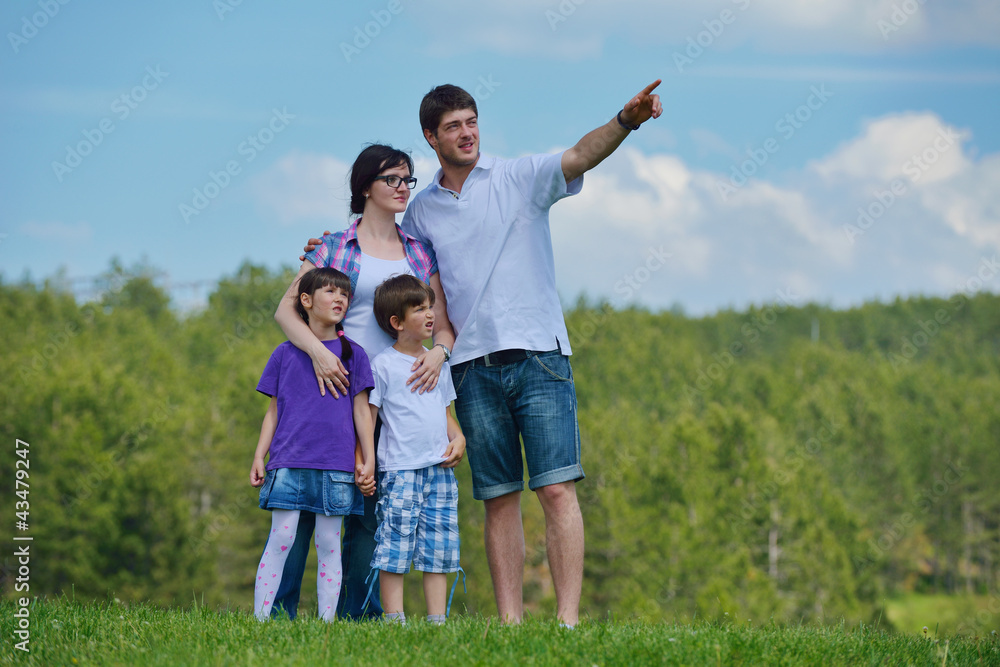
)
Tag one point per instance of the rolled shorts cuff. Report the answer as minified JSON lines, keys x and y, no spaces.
{"x":573,"y":473}
{"x":436,"y":569}
{"x":496,"y":490}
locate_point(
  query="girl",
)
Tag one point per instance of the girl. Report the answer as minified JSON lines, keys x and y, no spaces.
{"x":311,"y":441}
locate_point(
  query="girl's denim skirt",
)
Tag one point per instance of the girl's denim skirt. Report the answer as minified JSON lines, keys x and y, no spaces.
{"x":329,"y":492}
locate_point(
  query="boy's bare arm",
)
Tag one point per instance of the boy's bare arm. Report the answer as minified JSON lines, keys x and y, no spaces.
{"x":456,"y":442}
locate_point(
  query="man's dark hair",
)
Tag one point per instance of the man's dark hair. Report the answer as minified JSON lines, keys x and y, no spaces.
{"x":395,"y":296}
{"x":371,"y":162}
{"x":440,"y":101}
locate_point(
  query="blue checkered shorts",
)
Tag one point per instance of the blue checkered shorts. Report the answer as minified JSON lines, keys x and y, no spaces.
{"x":418,"y":521}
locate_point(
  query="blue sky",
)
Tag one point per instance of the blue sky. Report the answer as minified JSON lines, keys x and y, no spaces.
{"x":830,"y":151}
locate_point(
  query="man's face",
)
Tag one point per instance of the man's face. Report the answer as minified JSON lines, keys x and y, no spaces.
{"x":457,"y":138}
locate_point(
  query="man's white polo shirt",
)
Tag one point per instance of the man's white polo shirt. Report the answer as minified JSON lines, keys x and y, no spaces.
{"x":502,"y":203}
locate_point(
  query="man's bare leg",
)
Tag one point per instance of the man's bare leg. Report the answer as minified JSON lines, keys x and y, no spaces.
{"x":564,"y":546}
{"x":505,"y":552}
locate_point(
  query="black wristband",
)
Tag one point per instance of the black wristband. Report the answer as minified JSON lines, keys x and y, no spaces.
{"x":622,"y":123}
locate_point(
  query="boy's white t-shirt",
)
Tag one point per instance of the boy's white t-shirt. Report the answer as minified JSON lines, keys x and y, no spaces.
{"x":414,"y":426}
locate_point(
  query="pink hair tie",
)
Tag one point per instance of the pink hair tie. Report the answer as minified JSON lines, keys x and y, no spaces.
{"x":340,"y":333}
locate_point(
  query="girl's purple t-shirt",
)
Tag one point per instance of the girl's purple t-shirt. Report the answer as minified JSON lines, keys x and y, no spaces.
{"x":313,"y":431}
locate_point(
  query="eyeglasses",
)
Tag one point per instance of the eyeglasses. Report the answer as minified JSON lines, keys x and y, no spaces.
{"x":394,"y":181}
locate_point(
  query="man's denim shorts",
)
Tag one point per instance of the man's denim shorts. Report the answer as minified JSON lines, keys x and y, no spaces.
{"x":498,"y":406}
{"x":329,"y":492}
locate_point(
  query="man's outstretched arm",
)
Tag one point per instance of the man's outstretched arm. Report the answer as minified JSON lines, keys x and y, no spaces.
{"x":602,"y":142}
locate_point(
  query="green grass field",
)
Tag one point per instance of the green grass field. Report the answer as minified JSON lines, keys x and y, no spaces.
{"x":950,"y":614}
{"x":63,"y":632}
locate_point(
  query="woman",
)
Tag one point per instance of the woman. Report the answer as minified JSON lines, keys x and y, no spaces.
{"x":370,"y":250}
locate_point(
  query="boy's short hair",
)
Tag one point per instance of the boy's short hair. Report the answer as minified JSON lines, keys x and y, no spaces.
{"x":396,"y":295}
{"x":440,"y":101}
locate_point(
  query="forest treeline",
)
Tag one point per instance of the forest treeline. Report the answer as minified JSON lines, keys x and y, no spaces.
{"x":794,"y":463}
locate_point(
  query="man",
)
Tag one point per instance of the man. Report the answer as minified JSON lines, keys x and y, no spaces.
{"x":487,"y":221}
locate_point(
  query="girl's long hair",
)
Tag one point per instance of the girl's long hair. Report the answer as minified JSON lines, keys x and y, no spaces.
{"x":317,"y":279}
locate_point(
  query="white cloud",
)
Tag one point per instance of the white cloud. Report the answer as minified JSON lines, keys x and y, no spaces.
{"x":635,"y":208}
{"x":792,"y":212}
{"x":305,"y":187}
{"x":650,"y":229}
{"x":424,"y":169}
{"x":314,"y":188}
{"x":771,"y":237}
{"x":917,"y":146}
{"x":970,"y":206}
{"x":577,"y":29}
{"x":78,"y":233}
{"x":915,"y":181}
{"x":865,"y":74}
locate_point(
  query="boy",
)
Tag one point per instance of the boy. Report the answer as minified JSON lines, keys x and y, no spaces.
{"x":419,"y":445}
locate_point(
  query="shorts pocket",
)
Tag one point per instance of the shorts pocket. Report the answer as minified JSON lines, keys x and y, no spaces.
{"x":449,"y":491}
{"x":400,"y":509}
{"x":556,"y":365}
{"x":402,"y":520}
{"x":338,"y":493}
{"x":458,"y":375}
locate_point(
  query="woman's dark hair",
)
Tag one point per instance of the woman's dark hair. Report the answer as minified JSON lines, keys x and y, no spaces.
{"x":317,"y":279}
{"x":372,"y":161}
{"x":440,"y":101}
